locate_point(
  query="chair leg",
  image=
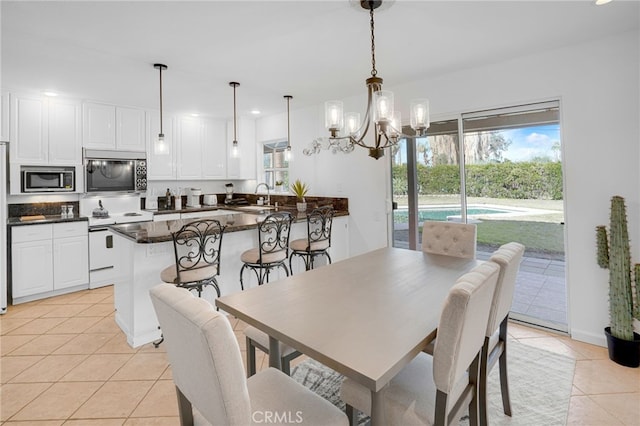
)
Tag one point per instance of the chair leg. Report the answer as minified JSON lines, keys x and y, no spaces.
{"x":504,"y":381}
{"x":440,"y":416}
{"x":251,"y":358}
{"x":184,"y":408}
{"x":473,"y":379}
{"x":157,"y":343}
{"x":241,"y":271}
{"x":286,"y":366}
{"x":352,"y":415}
{"x":482,"y":388}
{"x":326,"y":253}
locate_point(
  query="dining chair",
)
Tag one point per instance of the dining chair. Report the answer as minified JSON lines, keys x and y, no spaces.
{"x":273,"y":247}
{"x":259,"y":339}
{"x":435,"y":390}
{"x":508,"y":256}
{"x":449,"y":238}
{"x":318,"y":239}
{"x":206,"y":366}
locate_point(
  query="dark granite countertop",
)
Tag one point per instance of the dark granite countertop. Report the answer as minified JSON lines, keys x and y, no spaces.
{"x":158,"y":232}
{"x":15,"y":221}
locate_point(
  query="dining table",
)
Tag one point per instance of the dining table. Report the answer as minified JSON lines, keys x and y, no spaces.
{"x":365,"y":317}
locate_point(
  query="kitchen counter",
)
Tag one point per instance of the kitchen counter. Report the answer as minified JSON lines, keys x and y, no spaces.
{"x":158,"y":232}
{"x":15,"y":221}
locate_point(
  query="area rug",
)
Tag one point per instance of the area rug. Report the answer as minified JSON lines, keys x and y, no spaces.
{"x":539,"y":383}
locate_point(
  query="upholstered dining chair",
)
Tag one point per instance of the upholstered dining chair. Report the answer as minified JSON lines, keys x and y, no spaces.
{"x":435,"y":390}
{"x":508,"y":256}
{"x":449,"y":238}
{"x":259,"y":339}
{"x":318,"y":239}
{"x":196,"y":249}
{"x":273,"y":247}
{"x":206,"y":367}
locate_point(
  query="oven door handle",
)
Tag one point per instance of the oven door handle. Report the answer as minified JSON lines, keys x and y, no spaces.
{"x":98,"y":229}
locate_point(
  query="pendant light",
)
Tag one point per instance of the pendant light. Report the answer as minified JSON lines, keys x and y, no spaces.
{"x":160,"y":146}
{"x":234,"y":148}
{"x":288,"y":155}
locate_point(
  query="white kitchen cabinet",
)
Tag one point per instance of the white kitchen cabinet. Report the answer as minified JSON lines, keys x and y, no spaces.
{"x":4,"y":116}
{"x":45,"y":131}
{"x":113,"y":128}
{"x":201,"y":149}
{"x":47,"y":259}
{"x":243,"y":167}
{"x":161,"y":162}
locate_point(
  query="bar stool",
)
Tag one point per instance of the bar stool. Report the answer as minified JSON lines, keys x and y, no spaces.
{"x":318,"y":238}
{"x":273,"y":247}
{"x":197,"y":248}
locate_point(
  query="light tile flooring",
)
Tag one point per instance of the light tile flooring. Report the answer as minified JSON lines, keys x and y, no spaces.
{"x":65,"y":361}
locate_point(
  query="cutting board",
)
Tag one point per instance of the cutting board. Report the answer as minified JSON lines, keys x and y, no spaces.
{"x":29,"y":218}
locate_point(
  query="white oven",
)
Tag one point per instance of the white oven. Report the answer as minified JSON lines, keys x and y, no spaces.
{"x":103,"y":254}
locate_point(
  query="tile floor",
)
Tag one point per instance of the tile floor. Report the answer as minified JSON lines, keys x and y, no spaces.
{"x":65,"y":361}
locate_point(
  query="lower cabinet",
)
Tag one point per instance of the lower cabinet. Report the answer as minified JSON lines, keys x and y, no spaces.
{"x":47,"y":258}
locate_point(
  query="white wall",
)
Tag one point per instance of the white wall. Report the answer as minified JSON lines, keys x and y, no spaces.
{"x":598,"y":86}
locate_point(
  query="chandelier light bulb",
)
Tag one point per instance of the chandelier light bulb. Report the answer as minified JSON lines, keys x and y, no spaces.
{"x":420,"y":115}
{"x":352,"y":122}
{"x":333,"y":118}
{"x":383,"y":101}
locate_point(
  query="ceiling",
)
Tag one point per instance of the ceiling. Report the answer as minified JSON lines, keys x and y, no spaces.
{"x":312,"y":50}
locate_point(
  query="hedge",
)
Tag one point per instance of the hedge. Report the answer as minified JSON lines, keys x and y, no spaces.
{"x":523,"y":180}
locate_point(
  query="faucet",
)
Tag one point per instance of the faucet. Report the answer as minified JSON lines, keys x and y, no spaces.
{"x":268,"y":193}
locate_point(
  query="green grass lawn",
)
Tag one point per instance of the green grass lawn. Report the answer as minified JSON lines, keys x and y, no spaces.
{"x":544,"y":239}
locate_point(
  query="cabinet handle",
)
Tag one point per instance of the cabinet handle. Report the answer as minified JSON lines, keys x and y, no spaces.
{"x":109,"y":241}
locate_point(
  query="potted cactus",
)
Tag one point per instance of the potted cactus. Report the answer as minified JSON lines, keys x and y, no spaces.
{"x":300,"y":189}
{"x":614,"y":254}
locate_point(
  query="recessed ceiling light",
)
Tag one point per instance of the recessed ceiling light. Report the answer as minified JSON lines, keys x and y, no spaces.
{"x":601,"y":2}
{"x":195,"y":114}
{"x":49,"y":93}
{"x":255,"y":111}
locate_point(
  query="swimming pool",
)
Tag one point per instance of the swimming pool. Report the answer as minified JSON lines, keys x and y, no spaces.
{"x":401,"y":216}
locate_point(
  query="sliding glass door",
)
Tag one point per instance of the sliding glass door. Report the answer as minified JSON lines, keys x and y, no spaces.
{"x":506,"y":177}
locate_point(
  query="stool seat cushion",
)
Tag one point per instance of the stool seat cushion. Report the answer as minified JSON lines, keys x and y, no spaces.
{"x":303,"y":243}
{"x":200,"y":273}
{"x":253,"y":256}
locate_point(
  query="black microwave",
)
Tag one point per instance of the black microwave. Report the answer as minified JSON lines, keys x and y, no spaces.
{"x":115,"y":171}
{"x":48,"y":179}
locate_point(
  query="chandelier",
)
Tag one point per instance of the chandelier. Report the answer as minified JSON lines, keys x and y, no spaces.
{"x":380,"y":114}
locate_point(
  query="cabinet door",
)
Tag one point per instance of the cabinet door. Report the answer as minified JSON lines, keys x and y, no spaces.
{"x":28,"y":130}
{"x":161,"y":163}
{"x":189,"y":149}
{"x":71,"y":260}
{"x":32,"y":268}
{"x":130,"y":129}
{"x":65,"y":137}
{"x":214,"y":149}
{"x":99,"y":130}
{"x":4,"y":116}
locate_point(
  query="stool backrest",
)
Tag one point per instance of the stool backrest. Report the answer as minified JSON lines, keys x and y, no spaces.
{"x":319,"y":223}
{"x":273,"y":234}
{"x":197,"y":245}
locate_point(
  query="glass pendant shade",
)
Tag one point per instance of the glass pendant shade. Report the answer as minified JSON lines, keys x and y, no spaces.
{"x":234,"y":150}
{"x":333,"y":115}
{"x":395,"y":125}
{"x":159,"y":145}
{"x":420,"y":114}
{"x":382,"y":105}
{"x":352,"y":122}
{"x":288,"y":155}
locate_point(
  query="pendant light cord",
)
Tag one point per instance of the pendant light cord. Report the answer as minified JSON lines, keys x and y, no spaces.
{"x":161,"y":132}
{"x":288,"y":123}
{"x":374,"y":71}
{"x":235,"y":138}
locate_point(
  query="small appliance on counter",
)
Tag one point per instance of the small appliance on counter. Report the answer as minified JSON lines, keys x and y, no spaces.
{"x":210,"y":199}
{"x":193,"y":199}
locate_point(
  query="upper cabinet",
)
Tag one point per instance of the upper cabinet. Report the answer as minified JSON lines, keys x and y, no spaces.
{"x":161,"y":158}
{"x":112,"y":127}
{"x":201,"y":149}
{"x":243,"y":167}
{"x":4,"y":116}
{"x":45,"y":130}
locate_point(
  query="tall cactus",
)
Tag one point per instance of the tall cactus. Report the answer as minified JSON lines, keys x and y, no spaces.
{"x":613,"y":253}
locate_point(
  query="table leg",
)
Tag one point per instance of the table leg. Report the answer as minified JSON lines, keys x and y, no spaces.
{"x":274,"y":354}
{"x":377,"y":408}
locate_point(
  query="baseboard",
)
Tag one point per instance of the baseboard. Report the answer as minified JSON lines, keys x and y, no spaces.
{"x":598,"y":339}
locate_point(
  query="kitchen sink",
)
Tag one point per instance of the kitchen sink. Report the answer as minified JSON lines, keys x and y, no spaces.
{"x":255,"y":208}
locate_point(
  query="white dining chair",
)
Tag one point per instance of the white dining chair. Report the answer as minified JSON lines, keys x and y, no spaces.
{"x":259,"y":339}
{"x":449,"y":238}
{"x":508,"y":256}
{"x":206,"y":367}
{"x":435,"y":390}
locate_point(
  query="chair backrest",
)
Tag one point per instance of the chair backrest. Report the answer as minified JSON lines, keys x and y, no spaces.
{"x":197,"y":245}
{"x":273,"y":234}
{"x":463,"y":321}
{"x":449,"y":238}
{"x":319,"y":223}
{"x":205,"y":358}
{"x":508,"y":257}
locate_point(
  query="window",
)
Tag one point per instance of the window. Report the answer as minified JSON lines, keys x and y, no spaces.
{"x":275,"y":167}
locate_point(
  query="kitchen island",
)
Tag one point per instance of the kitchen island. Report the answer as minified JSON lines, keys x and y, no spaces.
{"x":146,"y":248}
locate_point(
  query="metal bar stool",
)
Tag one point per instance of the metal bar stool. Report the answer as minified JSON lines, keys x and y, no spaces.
{"x":273,"y":247}
{"x":318,"y":238}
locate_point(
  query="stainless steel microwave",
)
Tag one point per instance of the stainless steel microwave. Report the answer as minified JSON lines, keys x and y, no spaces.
{"x":115,"y":171}
{"x":48,"y":179}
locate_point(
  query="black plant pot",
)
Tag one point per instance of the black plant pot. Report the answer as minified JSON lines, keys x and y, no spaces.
{"x":624,"y":352}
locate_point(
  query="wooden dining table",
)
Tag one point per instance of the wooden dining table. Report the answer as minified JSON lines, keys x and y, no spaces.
{"x":365,"y":317}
